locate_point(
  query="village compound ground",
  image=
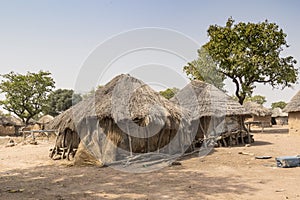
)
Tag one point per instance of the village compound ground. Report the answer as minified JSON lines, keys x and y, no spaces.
{"x":27,"y":172}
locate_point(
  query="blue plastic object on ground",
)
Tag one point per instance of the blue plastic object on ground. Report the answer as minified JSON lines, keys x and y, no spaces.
{"x":288,"y":161}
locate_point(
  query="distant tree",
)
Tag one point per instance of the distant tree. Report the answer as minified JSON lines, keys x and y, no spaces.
{"x":205,"y":69}
{"x":279,"y":104}
{"x":249,"y":53}
{"x":26,"y":95}
{"x":257,"y":98}
{"x":169,"y":93}
{"x":91,"y":92}
{"x":61,"y":100}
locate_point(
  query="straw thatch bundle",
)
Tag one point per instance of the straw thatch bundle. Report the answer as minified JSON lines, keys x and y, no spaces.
{"x":257,"y":109}
{"x":294,"y":104}
{"x":126,"y":105}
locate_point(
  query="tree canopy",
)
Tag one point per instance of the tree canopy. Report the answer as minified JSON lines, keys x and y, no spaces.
{"x":169,"y":92}
{"x":26,"y":95}
{"x":249,"y":53}
{"x":60,"y":100}
{"x":205,"y":69}
{"x":278,"y":104}
{"x":257,"y":99}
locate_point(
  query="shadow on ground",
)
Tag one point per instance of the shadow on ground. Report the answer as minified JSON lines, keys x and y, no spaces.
{"x":261,"y":143}
{"x":60,"y":182}
{"x":282,"y":130}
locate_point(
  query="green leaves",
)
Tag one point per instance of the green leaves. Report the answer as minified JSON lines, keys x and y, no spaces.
{"x":169,"y":92}
{"x":26,"y":95}
{"x":60,"y":100}
{"x":205,"y":69}
{"x":250,"y":53}
{"x":279,"y":104}
{"x":257,"y":99}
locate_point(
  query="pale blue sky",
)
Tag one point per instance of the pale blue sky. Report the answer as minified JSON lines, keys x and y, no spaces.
{"x":59,"y":35}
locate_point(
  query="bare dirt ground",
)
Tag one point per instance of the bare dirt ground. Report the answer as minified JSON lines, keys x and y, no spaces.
{"x":26,"y":172}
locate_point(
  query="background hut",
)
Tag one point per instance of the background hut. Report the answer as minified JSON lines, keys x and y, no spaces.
{"x":9,"y":125}
{"x":293,"y":110}
{"x":215,"y":114}
{"x":42,"y":122}
{"x":32,"y":125}
{"x":259,"y":113}
{"x":279,"y":117}
{"x":126,"y":118}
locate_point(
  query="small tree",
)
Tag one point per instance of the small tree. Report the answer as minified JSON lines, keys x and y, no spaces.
{"x":249,"y":53}
{"x":26,"y":95}
{"x":205,"y":69}
{"x":60,"y":100}
{"x":91,"y":92}
{"x":257,"y":98}
{"x":169,"y":93}
{"x":279,"y":104}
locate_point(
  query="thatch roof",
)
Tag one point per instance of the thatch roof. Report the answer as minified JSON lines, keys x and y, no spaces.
{"x":277,"y":112}
{"x":204,"y":99}
{"x":5,"y":121}
{"x":10,"y":121}
{"x":45,"y":119}
{"x":123,"y":98}
{"x":257,"y":109}
{"x":294,"y":104}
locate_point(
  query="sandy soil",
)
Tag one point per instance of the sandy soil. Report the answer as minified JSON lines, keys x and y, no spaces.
{"x":28,"y":173}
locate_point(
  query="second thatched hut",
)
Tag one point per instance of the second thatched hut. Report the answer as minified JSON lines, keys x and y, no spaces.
{"x":215,"y":114}
{"x":259,"y":114}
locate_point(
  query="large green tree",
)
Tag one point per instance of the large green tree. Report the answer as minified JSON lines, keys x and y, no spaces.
{"x":26,"y":95}
{"x":249,"y":53}
{"x":205,"y":69}
{"x":60,"y":100}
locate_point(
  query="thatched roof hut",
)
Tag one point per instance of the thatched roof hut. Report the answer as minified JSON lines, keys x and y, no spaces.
{"x":294,"y":104}
{"x":9,"y":125}
{"x":259,"y":113}
{"x":279,"y":117}
{"x":293,"y":110}
{"x":42,"y":122}
{"x":45,"y":119}
{"x":213,"y":111}
{"x":257,"y":109}
{"x":277,"y":112}
{"x":209,"y":100}
{"x":6,"y":121}
{"x":124,"y":118}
